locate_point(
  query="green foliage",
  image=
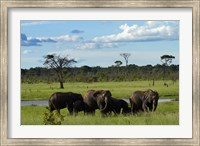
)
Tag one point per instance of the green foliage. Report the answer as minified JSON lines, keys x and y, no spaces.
{"x":57,"y":63}
{"x":166,"y":114}
{"x":52,"y":118}
{"x":118,"y":63}
{"x":41,"y":91}
{"x":167,"y":59}
{"x":98,"y":74}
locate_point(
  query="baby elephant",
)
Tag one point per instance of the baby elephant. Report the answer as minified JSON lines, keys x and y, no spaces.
{"x":116,"y":105}
{"x":79,"y":106}
{"x":126,"y":111}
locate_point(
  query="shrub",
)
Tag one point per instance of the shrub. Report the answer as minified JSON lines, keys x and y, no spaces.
{"x":52,"y":118}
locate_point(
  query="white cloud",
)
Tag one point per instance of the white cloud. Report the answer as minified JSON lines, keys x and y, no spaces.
{"x":34,"y":23}
{"x":96,"y":45}
{"x":150,"y":31}
{"x":63,"y":38}
{"x":68,"y":38}
{"x":26,"y":51}
{"x":152,"y":24}
{"x":30,"y":41}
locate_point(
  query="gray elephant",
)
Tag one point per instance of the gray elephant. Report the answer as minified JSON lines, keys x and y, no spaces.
{"x":95,"y":99}
{"x":60,"y":100}
{"x":116,"y":106}
{"x":144,"y":101}
{"x":79,"y":106}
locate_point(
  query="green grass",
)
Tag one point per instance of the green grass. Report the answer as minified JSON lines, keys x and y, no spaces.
{"x":118,"y":89}
{"x":166,"y":114}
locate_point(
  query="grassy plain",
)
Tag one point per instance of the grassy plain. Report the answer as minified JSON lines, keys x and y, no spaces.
{"x":166,"y":114}
{"x":118,"y":89}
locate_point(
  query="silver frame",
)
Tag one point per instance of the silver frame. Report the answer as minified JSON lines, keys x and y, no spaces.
{"x":6,"y":4}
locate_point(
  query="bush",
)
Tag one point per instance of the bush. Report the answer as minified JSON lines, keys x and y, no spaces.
{"x":52,"y":118}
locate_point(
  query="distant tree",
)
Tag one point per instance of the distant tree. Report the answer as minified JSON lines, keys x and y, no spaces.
{"x":167,"y":59}
{"x":57,"y":63}
{"x":125,"y":56}
{"x":118,"y":63}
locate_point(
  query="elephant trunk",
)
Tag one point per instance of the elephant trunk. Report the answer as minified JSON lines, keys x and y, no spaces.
{"x":106,"y":104}
{"x":155,"y":103}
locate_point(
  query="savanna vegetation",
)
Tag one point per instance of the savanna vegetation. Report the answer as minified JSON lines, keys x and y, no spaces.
{"x":166,"y":114}
{"x":40,"y":83}
{"x":99,"y":74}
{"x":42,"y":91}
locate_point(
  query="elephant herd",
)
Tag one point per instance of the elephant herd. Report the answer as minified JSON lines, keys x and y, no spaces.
{"x":103,"y":100}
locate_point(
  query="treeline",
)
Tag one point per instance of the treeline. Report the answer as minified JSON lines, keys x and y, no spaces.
{"x":100,"y":74}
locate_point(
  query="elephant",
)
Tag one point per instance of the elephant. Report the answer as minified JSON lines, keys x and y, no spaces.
{"x":115,"y":105}
{"x":60,"y":100}
{"x":126,"y":111}
{"x":79,"y":106}
{"x":95,"y":99}
{"x":144,"y":101}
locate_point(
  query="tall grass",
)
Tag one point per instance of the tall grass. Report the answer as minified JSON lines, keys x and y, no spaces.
{"x":119,"y":89}
{"x":166,"y":114}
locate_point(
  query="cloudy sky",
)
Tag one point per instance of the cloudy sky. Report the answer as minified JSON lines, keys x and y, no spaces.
{"x":99,"y":43}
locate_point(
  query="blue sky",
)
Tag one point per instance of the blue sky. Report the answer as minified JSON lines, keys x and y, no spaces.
{"x":99,"y":43}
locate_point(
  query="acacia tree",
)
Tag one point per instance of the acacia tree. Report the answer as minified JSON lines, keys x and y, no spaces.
{"x":57,"y":63}
{"x":118,"y":63}
{"x":125,"y":56}
{"x":166,"y":60}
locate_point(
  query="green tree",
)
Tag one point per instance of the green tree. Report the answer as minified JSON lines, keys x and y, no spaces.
{"x":57,"y":63}
{"x":166,"y":60}
{"x":118,"y":63}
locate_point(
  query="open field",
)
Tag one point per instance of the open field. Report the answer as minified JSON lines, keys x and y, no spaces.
{"x":118,"y":89}
{"x":166,"y":114}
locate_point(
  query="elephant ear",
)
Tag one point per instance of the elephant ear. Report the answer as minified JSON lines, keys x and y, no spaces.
{"x":96,"y":93}
{"x":156,"y":95}
{"x":148,"y":95}
{"x":107,"y":93}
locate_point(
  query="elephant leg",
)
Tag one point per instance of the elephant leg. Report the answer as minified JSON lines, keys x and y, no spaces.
{"x":150,"y":107}
{"x":118,"y":111}
{"x":70,"y":109}
{"x":145,"y":107}
{"x":51,"y":109}
{"x":155,"y":105}
{"x":75,"y":113}
{"x":134,"y":108}
{"x":91,"y":112}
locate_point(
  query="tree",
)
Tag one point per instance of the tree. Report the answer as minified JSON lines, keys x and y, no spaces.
{"x":125,"y":56}
{"x":118,"y":63}
{"x":57,"y":63}
{"x":167,"y":59}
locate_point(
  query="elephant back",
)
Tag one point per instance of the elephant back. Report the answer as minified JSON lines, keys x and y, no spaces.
{"x":89,"y":99}
{"x":150,"y":95}
{"x":137,"y":96}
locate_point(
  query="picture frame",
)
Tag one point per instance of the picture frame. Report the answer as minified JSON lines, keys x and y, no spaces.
{"x":6,"y":5}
